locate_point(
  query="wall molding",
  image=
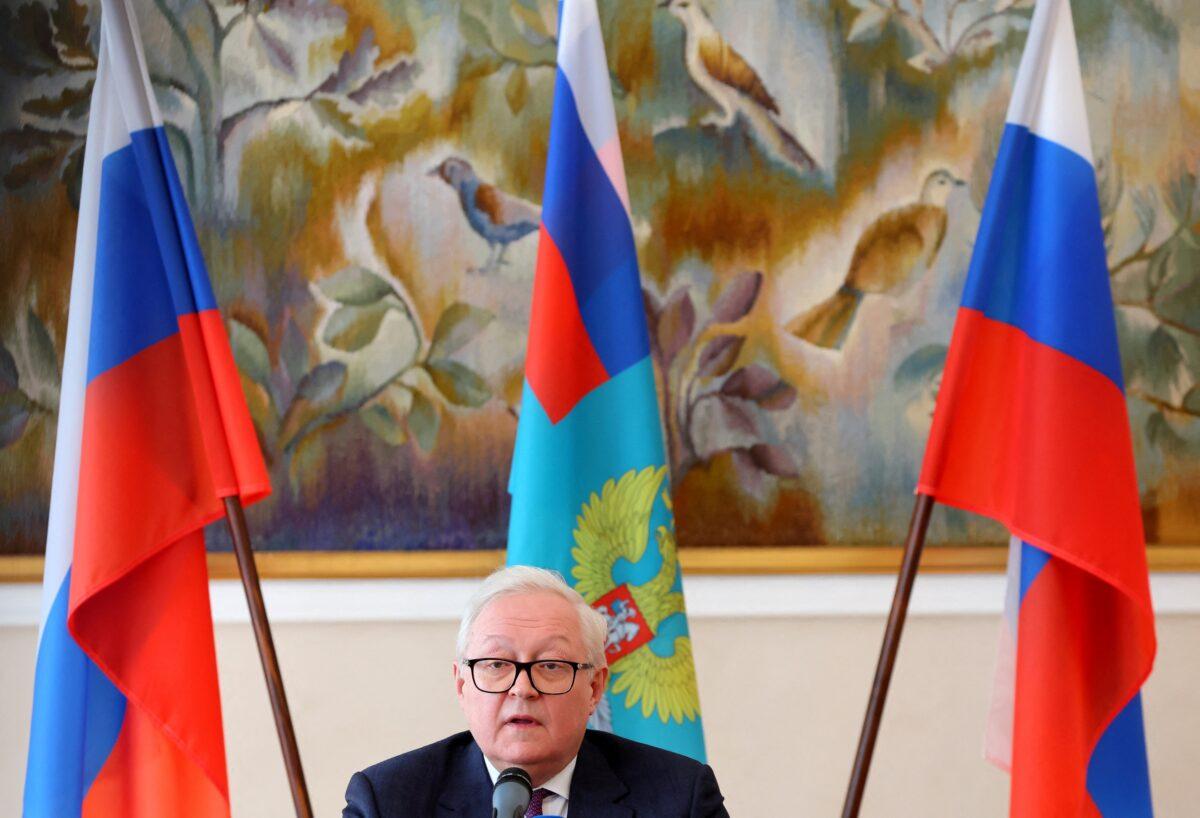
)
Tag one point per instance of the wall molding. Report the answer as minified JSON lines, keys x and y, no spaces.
{"x":708,"y":597}
{"x":719,"y":560}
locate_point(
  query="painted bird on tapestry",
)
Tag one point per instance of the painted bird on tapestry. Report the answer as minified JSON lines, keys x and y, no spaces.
{"x":890,"y":254}
{"x":499,"y":217}
{"x":648,"y":648}
{"x":725,"y":76}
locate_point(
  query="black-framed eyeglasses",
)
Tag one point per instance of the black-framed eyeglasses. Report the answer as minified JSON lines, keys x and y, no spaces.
{"x":550,"y":677}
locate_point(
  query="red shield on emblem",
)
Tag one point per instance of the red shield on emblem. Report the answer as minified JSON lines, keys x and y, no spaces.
{"x":627,"y":628}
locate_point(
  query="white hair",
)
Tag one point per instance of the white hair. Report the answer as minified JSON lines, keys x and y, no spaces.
{"x":526,"y":579}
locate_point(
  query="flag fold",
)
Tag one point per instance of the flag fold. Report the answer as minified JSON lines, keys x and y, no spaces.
{"x":1031,"y":429}
{"x":153,"y":432}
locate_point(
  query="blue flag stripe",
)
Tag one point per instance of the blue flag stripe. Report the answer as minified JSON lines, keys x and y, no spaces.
{"x":77,"y":714}
{"x":142,"y":286}
{"x":1024,"y":274}
{"x":1118,"y":776}
{"x":585,"y":217}
{"x":190,"y":285}
{"x":1033,"y":560}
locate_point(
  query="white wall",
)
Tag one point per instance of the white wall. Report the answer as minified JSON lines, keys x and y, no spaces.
{"x":781,"y":741}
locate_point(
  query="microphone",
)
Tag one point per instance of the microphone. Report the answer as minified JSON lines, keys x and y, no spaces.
{"x":510,"y":796}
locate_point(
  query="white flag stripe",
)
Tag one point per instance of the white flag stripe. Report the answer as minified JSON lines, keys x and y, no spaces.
{"x":104,"y":127}
{"x":582,"y":60}
{"x":128,"y":66}
{"x":1047,"y":95}
{"x":997,"y":741}
{"x":121,"y":103}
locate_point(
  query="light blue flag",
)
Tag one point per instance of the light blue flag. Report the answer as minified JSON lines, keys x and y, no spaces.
{"x":590,"y":490}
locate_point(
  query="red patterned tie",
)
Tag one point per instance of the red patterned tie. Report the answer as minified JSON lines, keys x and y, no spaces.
{"x":535,"y":803}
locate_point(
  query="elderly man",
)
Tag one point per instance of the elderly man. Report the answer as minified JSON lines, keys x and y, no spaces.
{"x":530,"y":670}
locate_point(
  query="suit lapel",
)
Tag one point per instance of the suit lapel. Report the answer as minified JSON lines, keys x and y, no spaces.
{"x":595,"y":788}
{"x":469,"y":793}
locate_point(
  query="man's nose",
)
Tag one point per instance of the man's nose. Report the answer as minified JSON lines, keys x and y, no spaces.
{"x":523,"y":685}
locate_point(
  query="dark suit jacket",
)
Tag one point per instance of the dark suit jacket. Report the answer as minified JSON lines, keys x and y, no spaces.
{"x":614,"y":778}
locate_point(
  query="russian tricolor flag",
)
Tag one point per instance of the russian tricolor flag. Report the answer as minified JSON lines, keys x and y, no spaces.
{"x":1031,"y":429}
{"x":152,"y":432}
{"x":589,"y":483}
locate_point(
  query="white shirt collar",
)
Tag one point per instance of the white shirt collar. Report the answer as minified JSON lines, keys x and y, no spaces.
{"x":559,"y":784}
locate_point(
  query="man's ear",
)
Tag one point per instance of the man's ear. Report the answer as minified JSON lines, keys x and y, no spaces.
{"x":458,"y":680}
{"x":599,"y":682}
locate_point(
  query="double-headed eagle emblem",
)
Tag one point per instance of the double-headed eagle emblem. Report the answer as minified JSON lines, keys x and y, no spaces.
{"x":613,"y":526}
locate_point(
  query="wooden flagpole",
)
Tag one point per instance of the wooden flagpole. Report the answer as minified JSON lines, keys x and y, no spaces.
{"x":236,"y":517}
{"x":887,"y":654}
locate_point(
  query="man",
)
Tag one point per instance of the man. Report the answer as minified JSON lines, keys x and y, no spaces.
{"x":529,"y":672}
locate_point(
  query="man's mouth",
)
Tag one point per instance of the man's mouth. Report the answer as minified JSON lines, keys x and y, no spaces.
{"x":522,"y":721}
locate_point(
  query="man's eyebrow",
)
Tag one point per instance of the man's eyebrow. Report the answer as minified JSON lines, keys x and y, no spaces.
{"x":493,"y":641}
{"x":560,"y":644}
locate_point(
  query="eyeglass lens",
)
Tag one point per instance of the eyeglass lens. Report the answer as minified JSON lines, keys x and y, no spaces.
{"x":499,"y":675}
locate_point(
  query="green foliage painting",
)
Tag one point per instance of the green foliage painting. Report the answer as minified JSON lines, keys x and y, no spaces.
{"x":806,"y":177}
